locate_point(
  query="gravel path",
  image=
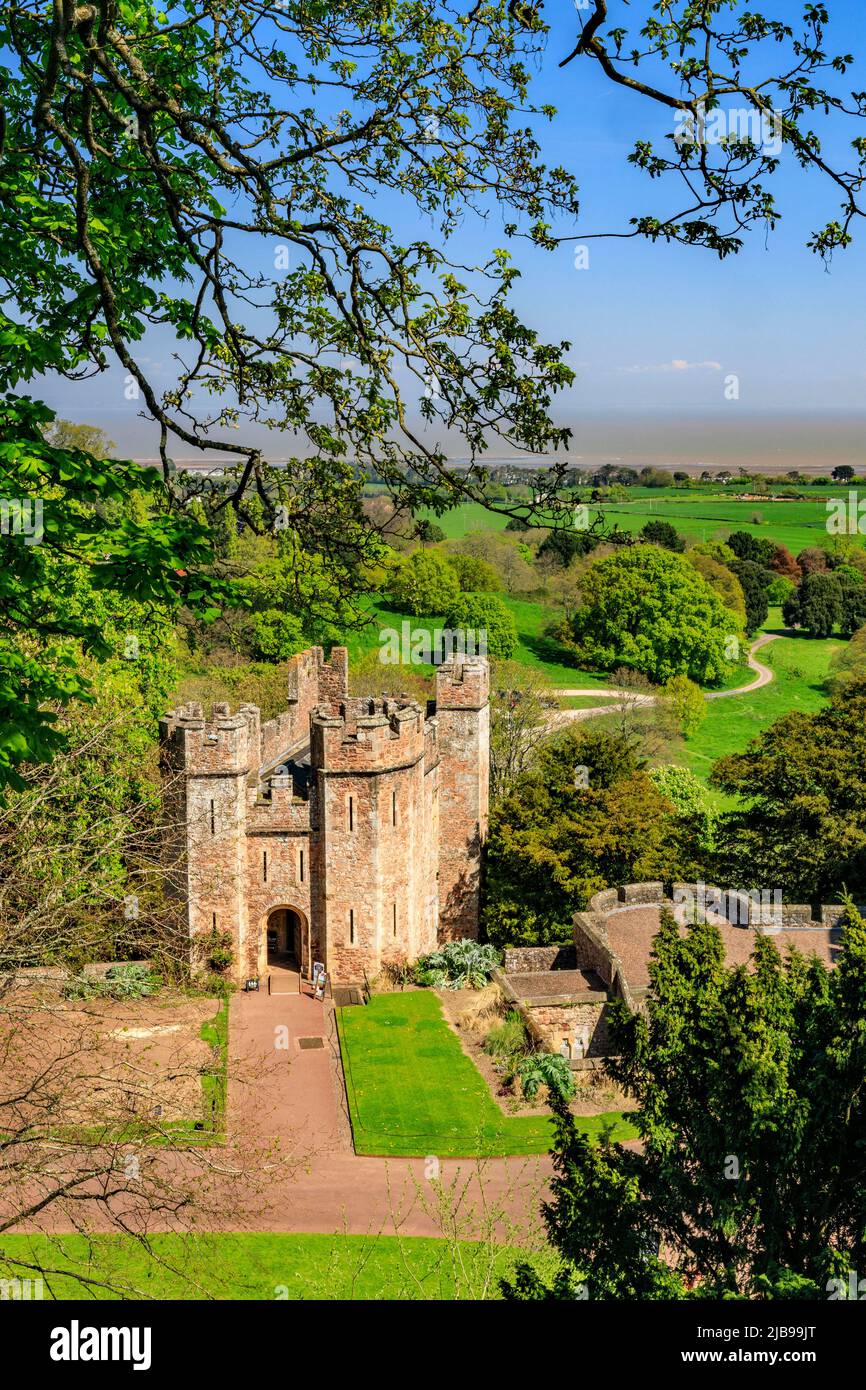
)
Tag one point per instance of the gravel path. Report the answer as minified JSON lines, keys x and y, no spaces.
{"x":763,"y":676}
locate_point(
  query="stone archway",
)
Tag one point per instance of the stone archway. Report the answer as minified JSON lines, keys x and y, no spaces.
{"x":286,"y":940}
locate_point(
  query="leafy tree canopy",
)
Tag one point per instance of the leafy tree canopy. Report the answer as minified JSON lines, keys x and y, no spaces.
{"x":484,"y":613}
{"x":424,"y":582}
{"x":755,"y":583}
{"x":80,"y":542}
{"x":652,"y":611}
{"x":749,"y":1087}
{"x":664,"y":534}
{"x":802,"y":826}
{"x":584,"y":816}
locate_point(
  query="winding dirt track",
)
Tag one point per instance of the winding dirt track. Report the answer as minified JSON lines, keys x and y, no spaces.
{"x":763,"y":676}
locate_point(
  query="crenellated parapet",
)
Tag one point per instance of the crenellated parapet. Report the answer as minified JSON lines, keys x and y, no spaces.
{"x":224,"y":745}
{"x":277,"y":809}
{"x":463,"y":683}
{"x":376,"y":742}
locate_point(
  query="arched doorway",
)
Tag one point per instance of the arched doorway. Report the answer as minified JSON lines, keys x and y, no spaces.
{"x":286,"y":939}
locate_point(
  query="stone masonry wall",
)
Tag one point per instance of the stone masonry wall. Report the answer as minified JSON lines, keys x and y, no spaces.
{"x":463,"y":719}
{"x":531,"y":960}
{"x":582,"y":1026}
{"x":380,"y":862}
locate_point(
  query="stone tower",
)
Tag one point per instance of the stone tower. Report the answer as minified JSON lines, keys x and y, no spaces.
{"x":346,"y":831}
{"x":463,"y":717}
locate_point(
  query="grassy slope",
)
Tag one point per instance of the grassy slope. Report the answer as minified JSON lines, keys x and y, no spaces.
{"x":266,"y":1266}
{"x":535,"y":651}
{"x":413,"y":1091}
{"x":800,"y":666}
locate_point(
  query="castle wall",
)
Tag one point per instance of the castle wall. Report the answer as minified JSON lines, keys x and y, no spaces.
{"x":278,"y":871}
{"x":311,"y":681}
{"x":381,"y":860}
{"x":214,"y":760}
{"x":373,"y":853}
{"x":463,"y":717}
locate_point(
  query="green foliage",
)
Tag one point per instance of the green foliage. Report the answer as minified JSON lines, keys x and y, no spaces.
{"x":801,"y":824}
{"x":277,"y":635}
{"x":779,"y":590}
{"x":424,"y":582}
{"x":664,"y":534}
{"x":457,"y":965}
{"x":689,"y":797}
{"x":755,"y":582}
{"x":584,"y":817}
{"x":757,"y":550}
{"x":427,"y":532}
{"x":475,"y":575}
{"x":103,"y":567}
{"x":817,"y":605}
{"x":484,"y":613}
{"x":721,"y":579}
{"x":749,"y":1086}
{"x":687,"y":702}
{"x":652,"y":611}
{"x":506,"y":1042}
{"x":562,"y":545}
{"x":545,"y":1069}
{"x":215,"y":950}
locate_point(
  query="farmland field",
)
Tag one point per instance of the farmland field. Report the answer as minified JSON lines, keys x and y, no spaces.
{"x":699,"y":515}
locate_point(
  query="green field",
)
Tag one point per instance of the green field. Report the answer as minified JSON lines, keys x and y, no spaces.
{"x":413,"y":1091}
{"x":794,"y":524}
{"x":263,"y":1266}
{"x":697,"y":514}
{"x":471,"y":516}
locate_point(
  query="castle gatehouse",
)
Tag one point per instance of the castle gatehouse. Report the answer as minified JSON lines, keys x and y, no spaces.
{"x":347,"y":830}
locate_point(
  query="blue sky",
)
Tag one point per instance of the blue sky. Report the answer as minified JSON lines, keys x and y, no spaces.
{"x":656,"y":330}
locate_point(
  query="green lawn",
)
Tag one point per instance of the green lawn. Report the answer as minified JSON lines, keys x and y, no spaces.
{"x":413,"y":1091}
{"x":264,"y":1266}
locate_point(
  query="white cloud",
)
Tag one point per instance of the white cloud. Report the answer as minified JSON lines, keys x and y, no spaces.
{"x":677,"y":364}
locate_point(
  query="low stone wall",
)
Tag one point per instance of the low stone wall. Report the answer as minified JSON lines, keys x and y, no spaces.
{"x":572,"y":1023}
{"x":33,"y":974}
{"x":573,"y":1030}
{"x":533,"y":960}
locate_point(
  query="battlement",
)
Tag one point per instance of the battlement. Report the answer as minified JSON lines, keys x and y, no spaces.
{"x":362,"y":742}
{"x":346,"y":830}
{"x":277,"y":808}
{"x":312,"y":681}
{"x":225,"y":744}
{"x":463,"y":683}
